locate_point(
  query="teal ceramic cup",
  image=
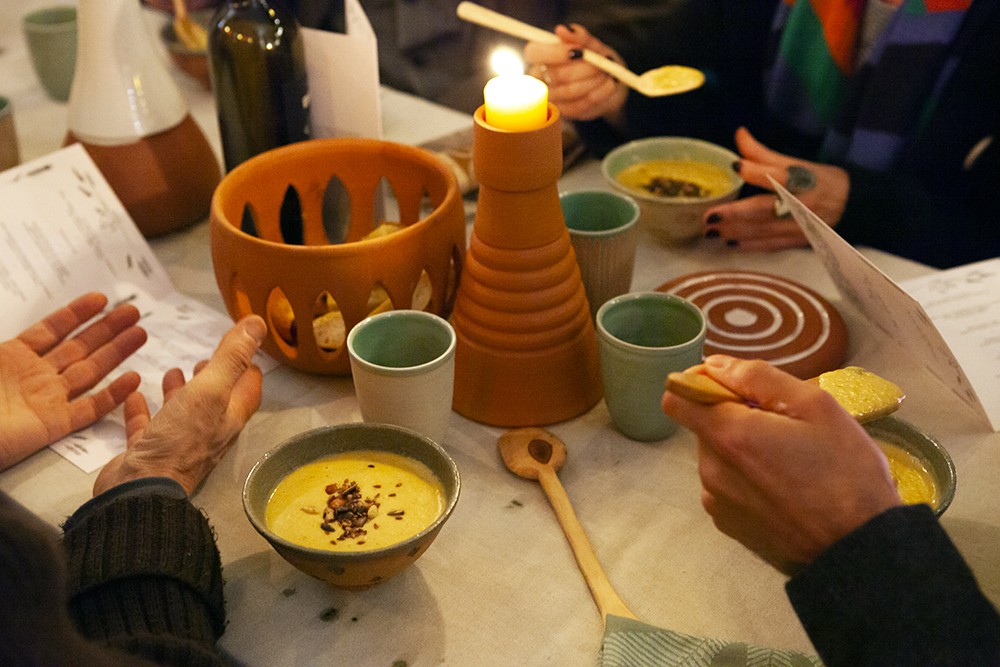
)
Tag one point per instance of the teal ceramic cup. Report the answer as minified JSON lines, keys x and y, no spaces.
{"x":642,"y":337}
{"x":51,"y":37}
{"x":403,"y":365}
{"x":602,"y":229}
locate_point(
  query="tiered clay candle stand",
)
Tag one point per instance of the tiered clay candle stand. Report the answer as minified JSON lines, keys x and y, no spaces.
{"x":526,"y":352}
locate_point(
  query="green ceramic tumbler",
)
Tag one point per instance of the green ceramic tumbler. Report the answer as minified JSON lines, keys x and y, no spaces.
{"x":642,"y":337}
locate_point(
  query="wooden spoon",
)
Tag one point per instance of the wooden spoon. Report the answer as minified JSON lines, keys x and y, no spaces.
{"x":534,"y":453}
{"x":666,"y":80}
{"x":865,"y":395}
{"x":193,"y":36}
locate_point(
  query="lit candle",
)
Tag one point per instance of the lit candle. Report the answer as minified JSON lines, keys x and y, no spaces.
{"x":515,"y":101}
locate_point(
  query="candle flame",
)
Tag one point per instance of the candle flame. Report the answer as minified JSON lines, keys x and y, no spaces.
{"x":506,"y":62}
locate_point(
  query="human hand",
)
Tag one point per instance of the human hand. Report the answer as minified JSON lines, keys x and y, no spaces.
{"x":752,"y":223}
{"x":199,"y":420}
{"x":790,"y":476}
{"x":580,"y":90}
{"x":44,"y":378}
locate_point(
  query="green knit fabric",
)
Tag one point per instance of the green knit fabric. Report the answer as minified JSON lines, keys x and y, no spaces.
{"x":144,"y":576}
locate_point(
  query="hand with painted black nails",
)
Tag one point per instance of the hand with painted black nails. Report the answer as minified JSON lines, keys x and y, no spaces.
{"x":45,"y":376}
{"x":759,"y":222}
{"x":580,"y":90}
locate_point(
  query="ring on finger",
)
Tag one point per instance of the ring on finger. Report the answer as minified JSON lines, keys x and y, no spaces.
{"x":800,"y":179}
{"x":781,"y":209}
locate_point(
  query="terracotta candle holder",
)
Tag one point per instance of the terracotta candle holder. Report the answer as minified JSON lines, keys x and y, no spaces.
{"x":526,"y":352}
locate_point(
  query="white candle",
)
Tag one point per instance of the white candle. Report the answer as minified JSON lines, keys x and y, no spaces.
{"x":516,"y":102}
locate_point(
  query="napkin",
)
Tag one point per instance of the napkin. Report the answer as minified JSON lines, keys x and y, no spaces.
{"x":631,"y":643}
{"x":343,"y":76}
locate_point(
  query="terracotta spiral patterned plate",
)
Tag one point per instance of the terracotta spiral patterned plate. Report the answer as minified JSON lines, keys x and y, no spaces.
{"x":761,"y":316}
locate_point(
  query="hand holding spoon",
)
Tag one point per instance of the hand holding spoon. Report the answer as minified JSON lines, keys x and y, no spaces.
{"x":534,"y":453}
{"x":865,"y":395}
{"x":666,"y":80}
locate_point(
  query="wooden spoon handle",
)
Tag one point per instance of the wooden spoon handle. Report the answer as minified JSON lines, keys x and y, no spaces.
{"x":700,"y":388}
{"x":473,"y":13}
{"x":180,"y":10}
{"x":604,"y":594}
{"x":618,"y":71}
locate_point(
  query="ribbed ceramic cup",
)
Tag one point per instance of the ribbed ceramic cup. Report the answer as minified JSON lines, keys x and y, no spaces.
{"x":643,"y":337}
{"x":9,"y":153}
{"x":51,"y":37}
{"x":403,"y":363}
{"x":602,"y":228}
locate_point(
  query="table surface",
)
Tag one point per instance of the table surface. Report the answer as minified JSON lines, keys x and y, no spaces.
{"x":500,"y":585}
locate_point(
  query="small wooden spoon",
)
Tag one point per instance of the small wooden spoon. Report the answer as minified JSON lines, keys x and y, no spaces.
{"x":193,"y":36}
{"x":534,"y":453}
{"x":666,"y":80}
{"x":865,"y":395}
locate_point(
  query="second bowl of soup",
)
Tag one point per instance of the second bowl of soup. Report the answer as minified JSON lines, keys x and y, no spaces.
{"x":675,"y":180}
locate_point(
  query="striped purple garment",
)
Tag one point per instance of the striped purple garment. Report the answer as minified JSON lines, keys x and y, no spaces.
{"x":865,"y":112}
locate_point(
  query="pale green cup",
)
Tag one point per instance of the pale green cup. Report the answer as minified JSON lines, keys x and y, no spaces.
{"x":403,"y":364}
{"x":602,"y":229}
{"x":51,"y":37}
{"x":642,"y":337}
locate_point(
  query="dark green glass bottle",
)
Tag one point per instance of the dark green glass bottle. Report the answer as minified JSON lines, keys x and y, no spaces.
{"x":258,"y":78}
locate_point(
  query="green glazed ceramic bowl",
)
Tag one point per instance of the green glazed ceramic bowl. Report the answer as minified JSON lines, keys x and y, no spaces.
{"x":674,"y":220}
{"x":926,"y":449}
{"x":359,"y":569}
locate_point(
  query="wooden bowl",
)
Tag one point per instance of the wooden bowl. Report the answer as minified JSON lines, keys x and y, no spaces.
{"x":271,"y":224}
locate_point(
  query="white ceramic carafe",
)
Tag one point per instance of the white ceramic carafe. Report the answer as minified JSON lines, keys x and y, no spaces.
{"x":127,"y":111}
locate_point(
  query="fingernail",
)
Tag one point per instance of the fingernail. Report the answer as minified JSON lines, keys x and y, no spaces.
{"x":715,"y":361}
{"x":575,"y":54}
{"x":255,"y":328}
{"x":737,"y":165}
{"x":732,"y":243}
{"x":712,"y":234}
{"x":713,"y":218}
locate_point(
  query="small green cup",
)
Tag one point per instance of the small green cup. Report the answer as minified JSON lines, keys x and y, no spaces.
{"x":51,"y":37}
{"x":602,"y":229}
{"x":642,"y":337}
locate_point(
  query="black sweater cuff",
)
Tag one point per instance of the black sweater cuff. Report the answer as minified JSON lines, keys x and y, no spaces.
{"x":896,"y":592}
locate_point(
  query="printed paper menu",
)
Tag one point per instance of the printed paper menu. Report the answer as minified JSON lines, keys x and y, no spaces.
{"x":946,"y":319}
{"x":63,"y":232}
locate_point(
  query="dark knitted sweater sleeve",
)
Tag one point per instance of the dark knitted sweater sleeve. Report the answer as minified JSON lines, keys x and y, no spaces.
{"x":896,"y":592}
{"x":145,"y":577}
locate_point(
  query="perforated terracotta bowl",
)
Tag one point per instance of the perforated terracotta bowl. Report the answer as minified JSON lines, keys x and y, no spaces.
{"x":274,"y":231}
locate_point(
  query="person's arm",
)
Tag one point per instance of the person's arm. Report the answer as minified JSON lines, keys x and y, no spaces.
{"x":137,"y":577}
{"x":795,"y":479}
{"x":146,"y":547}
{"x":896,"y":591}
{"x":144,"y":571}
{"x":942,"y":219}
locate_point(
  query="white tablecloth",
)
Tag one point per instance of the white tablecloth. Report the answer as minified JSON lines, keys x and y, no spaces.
{"x":500,"y":586}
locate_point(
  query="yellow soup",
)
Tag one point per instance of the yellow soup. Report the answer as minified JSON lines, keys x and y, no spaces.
{"x":676,"y":178}
{"x":355,"y":501}
{"x":913,"y":481}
